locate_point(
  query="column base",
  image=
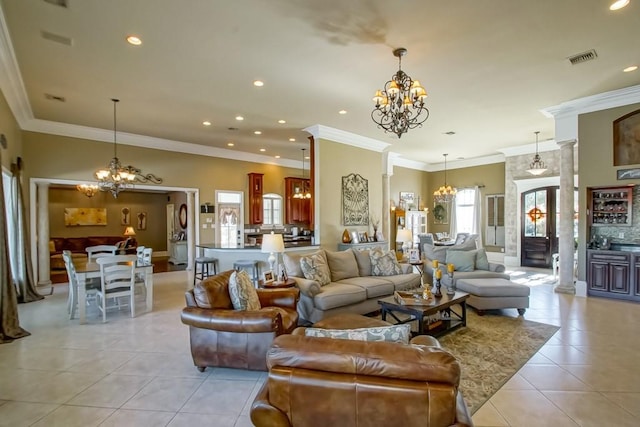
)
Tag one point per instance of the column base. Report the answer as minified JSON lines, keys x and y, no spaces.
{"x":45,"y":288}
{"x":565,"y":289}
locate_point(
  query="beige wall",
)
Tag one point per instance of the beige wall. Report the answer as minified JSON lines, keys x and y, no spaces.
{"x":152,"y":203}
{"x":335,"y":161}
{"x":411,"y":180}
{"x":9,"y":127}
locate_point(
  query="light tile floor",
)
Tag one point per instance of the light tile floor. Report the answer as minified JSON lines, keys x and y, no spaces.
{"x":139,"y":372}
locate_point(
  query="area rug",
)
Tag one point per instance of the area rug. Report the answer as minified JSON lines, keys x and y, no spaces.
{"x":491,"y":349}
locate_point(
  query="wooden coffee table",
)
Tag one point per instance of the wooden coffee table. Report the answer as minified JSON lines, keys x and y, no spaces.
{"x":450,"y":318}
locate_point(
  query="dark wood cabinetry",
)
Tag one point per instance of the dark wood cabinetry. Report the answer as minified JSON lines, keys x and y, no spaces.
{"x":612,"y":273}
{"x":297,"y":210}
{"x":256,"y":214}
{"x":610,"y":206}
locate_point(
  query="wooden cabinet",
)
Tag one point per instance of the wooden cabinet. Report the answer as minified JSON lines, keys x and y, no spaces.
{"x":296,"y":210}
{"x":612,"y":273}
{"x":256,"y":214}
{"x":610,"y":206}
{"x":178,"y":252}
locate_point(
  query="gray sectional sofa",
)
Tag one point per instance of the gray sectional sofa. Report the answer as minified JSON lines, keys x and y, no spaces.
{"x":352,"y":289}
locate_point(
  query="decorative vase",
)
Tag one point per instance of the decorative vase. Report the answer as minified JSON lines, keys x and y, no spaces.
{"x":375,"y":234}
{"x":346,"y":237}
{"x":437,"y":293}
{"x":451,"y":289}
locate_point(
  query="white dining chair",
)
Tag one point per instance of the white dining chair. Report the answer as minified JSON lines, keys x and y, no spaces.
{"x":146,"y":255}
{"x":117,"y":274}
{"x":143,"y":257}
{"x":140,"y":252}
{"x":97,"y":251}
{"x":91,"y":286}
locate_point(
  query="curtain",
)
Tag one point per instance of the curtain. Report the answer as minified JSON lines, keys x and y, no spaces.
{"x":477,"y":216}
{"x":453,"y":228}
{"x":9,"y":323}
{"x":25,"y":279}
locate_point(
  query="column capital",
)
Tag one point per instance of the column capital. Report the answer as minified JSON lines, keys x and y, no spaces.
{"x":567,"y":143}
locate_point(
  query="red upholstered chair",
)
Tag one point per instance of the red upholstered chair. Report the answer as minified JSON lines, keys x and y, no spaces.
{"x":222,"y":336}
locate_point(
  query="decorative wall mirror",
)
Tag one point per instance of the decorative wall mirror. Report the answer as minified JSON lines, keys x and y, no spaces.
{"x":182,"y":216}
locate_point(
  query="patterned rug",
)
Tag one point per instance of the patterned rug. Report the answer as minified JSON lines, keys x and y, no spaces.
{"x":491,"y":349}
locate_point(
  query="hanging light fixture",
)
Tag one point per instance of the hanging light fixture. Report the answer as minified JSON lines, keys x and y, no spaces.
{"x":88,"y":190}
{"x":537,"y":167}
{"x":400,"y":105}
{"x":302,"y":193}
{"x":116,"y":178}
{"x":445,"y":193}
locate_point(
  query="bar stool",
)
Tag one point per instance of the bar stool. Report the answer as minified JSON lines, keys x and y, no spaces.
{"x":204,"y":262}
{"x":251,"y":265}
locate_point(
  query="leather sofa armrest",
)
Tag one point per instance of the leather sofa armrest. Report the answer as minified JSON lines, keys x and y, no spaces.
{"x":463,"y":418}
{"x":285,"y":298}
{"x":263,"y":414}
{"x":498,"y":268}
{"x":308,"y":287}
{"x":232,"y":320}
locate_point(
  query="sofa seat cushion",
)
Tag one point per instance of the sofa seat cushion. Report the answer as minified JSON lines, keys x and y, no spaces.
{"x":493,"y":288}
{"x":336,"y":295}
{"x":374,"y":286}
{"x":404,"y":281}
{"x":289,"y":318}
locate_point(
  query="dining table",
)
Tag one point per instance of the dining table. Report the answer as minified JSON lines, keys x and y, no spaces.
{"x":86,"y":270}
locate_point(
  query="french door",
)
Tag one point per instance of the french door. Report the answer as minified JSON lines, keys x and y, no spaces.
{"x":539,"y":221}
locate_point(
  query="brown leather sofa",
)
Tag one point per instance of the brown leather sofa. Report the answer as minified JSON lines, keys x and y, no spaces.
{"x":77,"y":246}
{"x":317,"y":382}
{"x":222,"y":336}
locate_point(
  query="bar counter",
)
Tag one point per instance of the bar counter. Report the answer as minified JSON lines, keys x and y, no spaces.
{"x":227,"y":256}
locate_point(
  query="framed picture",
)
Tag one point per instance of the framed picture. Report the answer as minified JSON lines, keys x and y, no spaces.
{"x":413,"y":255}
{"x":407,"y":200}
{"x":355,"y":238}
{"x":626,"y":136}
{"x":267,"y":277}
{"x":441,"y":213}
{"x":142,"y":220}
{"x":628,"y":173}
{"x":85,"y":216}
{"x":125,"y":216}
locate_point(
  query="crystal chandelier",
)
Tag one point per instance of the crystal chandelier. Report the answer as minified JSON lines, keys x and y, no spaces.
{"x":88,"y":190}
{"x":400,"y":105}
{"x":116,"y":178}
{"x":537,"y":167}
{"x":445,"y":193}
{"x":302,"y":193}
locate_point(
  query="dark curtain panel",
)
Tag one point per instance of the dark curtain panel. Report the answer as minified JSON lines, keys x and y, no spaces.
{"x":9,"y":323}
{"x":26,"y":279}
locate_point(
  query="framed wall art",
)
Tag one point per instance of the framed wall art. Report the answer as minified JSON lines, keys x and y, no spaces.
{"x":407,"y":200}
{"x":355,"y":200}
{"x":441,"y":213}
{"x":85,"y":216}
{"x":628,"y":173}
{"x":626,"y":140}
{"x":142,"y":220}
{"x":125,"y":216}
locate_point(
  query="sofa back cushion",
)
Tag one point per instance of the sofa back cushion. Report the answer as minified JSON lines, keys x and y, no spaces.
{"x":342,"y":265}
{"x":315,"y":267}
{"x":292,"y":264}
{"x":384,"y":263}
{"x":462,"y":260}
{"x":213,"y":292}
{"x":364,"y":261}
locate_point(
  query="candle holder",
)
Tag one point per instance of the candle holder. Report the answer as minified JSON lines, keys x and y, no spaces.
{"x":437,"y":285}
{"x":451,"y":289}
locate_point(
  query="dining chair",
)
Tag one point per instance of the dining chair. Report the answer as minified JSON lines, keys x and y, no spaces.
{"x":144,"y":257}
{"x":461,"y":238}
{"x":117,"y":274}
{"x":97,"y":251}
{"x":140,"y":252}
{"x":91,"y":286}
{"x":424,"y":238}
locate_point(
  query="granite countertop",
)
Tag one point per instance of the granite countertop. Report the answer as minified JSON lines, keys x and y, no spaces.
{"x":299,"y":244}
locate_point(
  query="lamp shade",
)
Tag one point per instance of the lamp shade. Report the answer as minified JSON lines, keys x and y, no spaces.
{"x":404,"y":235}
{"x":129,"y":231}
{"x":272,"y":243}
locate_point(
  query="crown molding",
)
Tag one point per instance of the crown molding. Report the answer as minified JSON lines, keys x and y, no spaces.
{"x":548,"y":145}
{"x":347,"y":138}
{"x":601,"y":101}
{"x":467,"y":163}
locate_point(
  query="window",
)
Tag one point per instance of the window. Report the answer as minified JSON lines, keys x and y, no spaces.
{"x":229,"y":211}
{"x":465,"y":210}
{"x":272,"y":207}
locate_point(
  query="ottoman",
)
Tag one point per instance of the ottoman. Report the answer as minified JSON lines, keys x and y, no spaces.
{"x":488,"y":294}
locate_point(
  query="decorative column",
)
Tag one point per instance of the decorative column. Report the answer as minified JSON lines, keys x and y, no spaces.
{"x":44,"y":273}
{"x":191,"y":242}
{"x":387,"y":163}
{"x":566,"y":250}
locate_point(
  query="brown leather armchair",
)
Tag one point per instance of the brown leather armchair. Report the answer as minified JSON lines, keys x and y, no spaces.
{"x":222,"y":336}
{"x":332,"y":382}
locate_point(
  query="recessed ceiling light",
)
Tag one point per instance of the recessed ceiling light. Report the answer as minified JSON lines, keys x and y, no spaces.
{"x":282,"y":121}
{"x":258,"y":132}
{"x":342,"y":112}
{"x":292,"y":140}
{"x":258,"y":83}
{"x":239,"y":118}
{"x":206,"y":123}
{"x":277,"y":157}
{"x":134,"y":40}
{"x":618,"y":4}
{"x":263,"y":150}
{"x":630,"y":69}
{"x":230,"y":144}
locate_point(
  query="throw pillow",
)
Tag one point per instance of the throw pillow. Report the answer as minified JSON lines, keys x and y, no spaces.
{"x":243,"y":295}
{"x":314,"y":267}
{"x":435,"y":252}
{"x":462,"y":260}
{"x":384,"y":263}
{"x":292,"y":264}
{"x":482,"y":262}
{"x":342,"y":265}
{"x":393,"y":333}
{"x":364,"y":261}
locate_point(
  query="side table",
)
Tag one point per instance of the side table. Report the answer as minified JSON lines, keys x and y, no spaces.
{"x":289,"y":283}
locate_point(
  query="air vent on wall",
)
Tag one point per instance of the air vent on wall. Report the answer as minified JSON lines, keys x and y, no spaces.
{"x":55,"y":97}
{"x":583,"y":57}
{"x":61,"y":3}
{"x":56,"y":38}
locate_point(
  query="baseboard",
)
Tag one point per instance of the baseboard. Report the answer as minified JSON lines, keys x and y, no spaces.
{"x":160,"y":253}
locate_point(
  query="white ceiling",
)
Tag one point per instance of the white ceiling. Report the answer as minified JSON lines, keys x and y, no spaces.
{"x":489,"y":67}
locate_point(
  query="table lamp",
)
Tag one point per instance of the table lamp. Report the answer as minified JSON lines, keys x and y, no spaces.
{"x":129,"y":232}
{"x":404,"y":235}
{"x":272,"y":243}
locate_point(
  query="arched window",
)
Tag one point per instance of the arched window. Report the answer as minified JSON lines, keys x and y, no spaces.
{"x":272,"y":207}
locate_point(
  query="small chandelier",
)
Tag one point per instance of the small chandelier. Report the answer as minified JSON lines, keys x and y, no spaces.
{"x":537,"y":167}
{"x":400,"y":105}
{"x":445,"y":193}
{"x":116,"y":178}
{"x":302,"y":193}
{"x":88,"y":190}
